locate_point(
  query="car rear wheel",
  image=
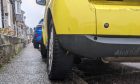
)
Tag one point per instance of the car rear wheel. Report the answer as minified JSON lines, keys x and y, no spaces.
{"x":36,"y":45}
{"x":59,"y":62}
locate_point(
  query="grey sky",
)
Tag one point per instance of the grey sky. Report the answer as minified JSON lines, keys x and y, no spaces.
{"x":33,"y":12}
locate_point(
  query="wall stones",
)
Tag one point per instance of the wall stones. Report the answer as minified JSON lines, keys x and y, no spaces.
{"x":9,"y":46}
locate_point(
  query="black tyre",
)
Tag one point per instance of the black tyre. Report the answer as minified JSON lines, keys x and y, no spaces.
{"x":36,"y":45}
{"x":43,"y":51}
{"x":77,"y":60}
{"x":59,"y":62}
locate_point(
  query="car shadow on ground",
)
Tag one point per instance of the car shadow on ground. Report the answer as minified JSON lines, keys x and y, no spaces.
{"x":95,"y":72}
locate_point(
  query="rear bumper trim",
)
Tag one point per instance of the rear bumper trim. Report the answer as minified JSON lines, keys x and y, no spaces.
{"x":87,"y":46}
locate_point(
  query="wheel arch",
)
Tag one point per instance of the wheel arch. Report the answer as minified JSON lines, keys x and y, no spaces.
{"x":49,"y":19}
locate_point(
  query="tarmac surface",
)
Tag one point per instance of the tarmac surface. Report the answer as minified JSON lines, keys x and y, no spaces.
{"x":29,"y":68}
{"x":26,"y":68}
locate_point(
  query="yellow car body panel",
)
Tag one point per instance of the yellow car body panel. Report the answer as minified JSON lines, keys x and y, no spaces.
{"x":44,"y":33}
{"x":123,"y":18}
{"x":44,"y":29}
{"x":89,"y":17}
{"x":73,"y":16}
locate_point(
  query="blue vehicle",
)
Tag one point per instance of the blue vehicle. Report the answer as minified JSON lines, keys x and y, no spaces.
{"x":37,"y":39}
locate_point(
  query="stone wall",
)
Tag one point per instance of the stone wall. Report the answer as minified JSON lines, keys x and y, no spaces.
{"x":9,"y":46}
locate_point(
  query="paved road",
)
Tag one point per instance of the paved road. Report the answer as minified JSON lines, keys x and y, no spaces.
{"x":29,"y":68}
{"x":113,"y":73}
{"x":26,"y":68}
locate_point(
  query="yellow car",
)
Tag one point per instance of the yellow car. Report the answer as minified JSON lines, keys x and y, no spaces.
{"x":106,"y":29}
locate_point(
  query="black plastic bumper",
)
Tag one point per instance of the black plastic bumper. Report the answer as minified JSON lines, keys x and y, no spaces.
{"x":88,"y":46}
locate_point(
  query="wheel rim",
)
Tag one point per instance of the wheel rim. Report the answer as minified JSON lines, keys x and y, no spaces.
{"x":50,"y":59}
